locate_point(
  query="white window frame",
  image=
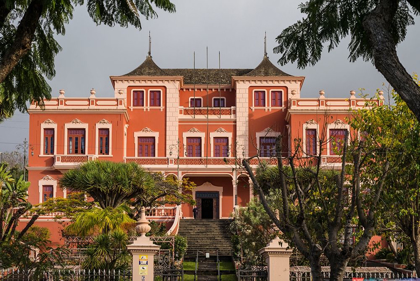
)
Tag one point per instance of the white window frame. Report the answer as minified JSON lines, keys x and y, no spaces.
{"x":265,"y":107}
{"x":212,"y":101}
{"x":146,"y":132}
{"x":148,"y":100}
{"x":189,"y":101}
{"x":144,"y":99}
{"x":48,"y":124}
{"x":76,"y":124}
{"x":338,"y":124}
{"x":267,"y":132}
{"x":103,"y":124}
{"x":310,"y":124}
{"x":193,"y":133}
{"x":282,"y":98}
{"x":48,"y":180}
{"x":221,"y":133}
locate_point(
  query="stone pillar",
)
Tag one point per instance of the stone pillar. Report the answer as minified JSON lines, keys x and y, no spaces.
{"x":277,"y":256}
{"x":143,"y":251}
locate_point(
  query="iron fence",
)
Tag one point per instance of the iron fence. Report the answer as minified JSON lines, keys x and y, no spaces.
{"x":304,"y":273}
{"x":253,"y":273}
{"x":65,"y":275}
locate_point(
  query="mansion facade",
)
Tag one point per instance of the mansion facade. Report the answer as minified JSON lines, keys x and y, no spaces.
{"x":194,"y":123}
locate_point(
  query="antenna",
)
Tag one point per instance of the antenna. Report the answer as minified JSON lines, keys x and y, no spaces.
{"x":265,"y":44}
{"x":150,"y":46}
{"x":220,"y":93}
{"x":194,"y":84}
{"x":207,"y":78}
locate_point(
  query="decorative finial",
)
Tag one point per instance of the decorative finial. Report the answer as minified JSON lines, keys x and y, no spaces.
{"x":352,"y":94}
{"x":143,"y":224}
{"x":265,"y":44}
{"x":381,"y":95}
{"x":61,"y":93}
{"x":150,"y":46}
{"x":92,"y":92}
{"x":322,"y":94}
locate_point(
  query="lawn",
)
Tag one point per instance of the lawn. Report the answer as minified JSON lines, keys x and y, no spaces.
{"x":188,"y":265}
{"x":226,"y":265}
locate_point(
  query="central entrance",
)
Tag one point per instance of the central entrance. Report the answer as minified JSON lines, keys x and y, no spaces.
{"x":207,"y":208}
{"x":207,"y":205}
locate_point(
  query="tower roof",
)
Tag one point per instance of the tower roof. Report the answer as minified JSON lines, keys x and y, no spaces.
{"x":147,"y":68}
{"x":266,"y":68}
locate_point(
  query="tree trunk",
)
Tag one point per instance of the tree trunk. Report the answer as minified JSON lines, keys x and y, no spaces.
{"x":338,"y":266}
{"x":23,"y":40}
{"x":377,"y":26}
{"x":415,"y":241}
{"x":315,"y":268}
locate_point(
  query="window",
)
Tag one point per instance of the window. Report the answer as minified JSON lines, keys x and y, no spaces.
{"x":195,"y":102}
{"x":76,"y":140}
{"x":267,"y":146}
{"x":146,"y":147}
{"x":155,"y":98}
{"x":47,"y":192}
{"x":337,"y":137}
{"x":276,"y":98}
{"x":219,"y":102}
{"x":194,"y":147}
{"x":259,"y":98}
{"x":138,"y":98}
{"x":311,"y":142}
{"x":220,"y":147}
{"x":103,"y":141}
{"x":48,"y":141}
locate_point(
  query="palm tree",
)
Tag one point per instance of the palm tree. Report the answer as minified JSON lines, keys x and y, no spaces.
{"x":101,"y":221}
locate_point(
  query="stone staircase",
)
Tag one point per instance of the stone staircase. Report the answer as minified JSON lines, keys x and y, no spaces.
{"x":206,"y":236}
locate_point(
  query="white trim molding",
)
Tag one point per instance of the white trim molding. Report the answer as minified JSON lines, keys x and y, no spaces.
{"x":267,"y":132}
{"x":253,"y":107}
{"x":221,"y":133}
{"x":154,"y":106}
{"x":145,"y":132}
{"x":48,"y":124}
{"x":310,"y":124}
{"x":337,"y":124}
{"x":282,"y":99}
{"x":132,"y":106}
{"x":193,"y":133}
{"x":197,"y":98}
{"x":76,"y":124}
{"x":47,"y":180}
{"x":103,"y":124}
{"x":212,"y":101}
{"x":209,"y":188}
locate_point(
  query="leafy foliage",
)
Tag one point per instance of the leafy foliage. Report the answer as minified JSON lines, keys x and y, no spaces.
{"x":396,"y":128}
{"x":28,"y":46}
{"x":109,"y":251}
{"x":110,"y":184}
{"x":328,"y":22}
{"x":252,"y":229}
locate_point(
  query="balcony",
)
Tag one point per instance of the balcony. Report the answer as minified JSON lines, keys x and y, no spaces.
{"x":212,"y":112}
{"x":62,"y":161}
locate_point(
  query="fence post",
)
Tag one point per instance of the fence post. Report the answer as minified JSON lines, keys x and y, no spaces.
{"x":277,"y":256}
{"x":143,"y":251}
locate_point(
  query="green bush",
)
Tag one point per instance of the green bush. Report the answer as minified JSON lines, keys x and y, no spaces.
{"x":383,"y":253}
{"x":181,"y":245}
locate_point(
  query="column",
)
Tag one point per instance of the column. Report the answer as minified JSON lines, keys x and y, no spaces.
{"x":143,"y":251}
{"x":277,"y":256}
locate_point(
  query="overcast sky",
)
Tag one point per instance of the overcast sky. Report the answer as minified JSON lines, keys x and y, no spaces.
{"x":235,"y":28}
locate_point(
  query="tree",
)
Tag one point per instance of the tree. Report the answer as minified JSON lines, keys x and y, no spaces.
{"x":396,"y":127}
{"x":330,"y":212}
{"x":110,"y":184}
{"x":252,"y":229}
{"x":28,"y":46}
{"x":375,"y":27}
